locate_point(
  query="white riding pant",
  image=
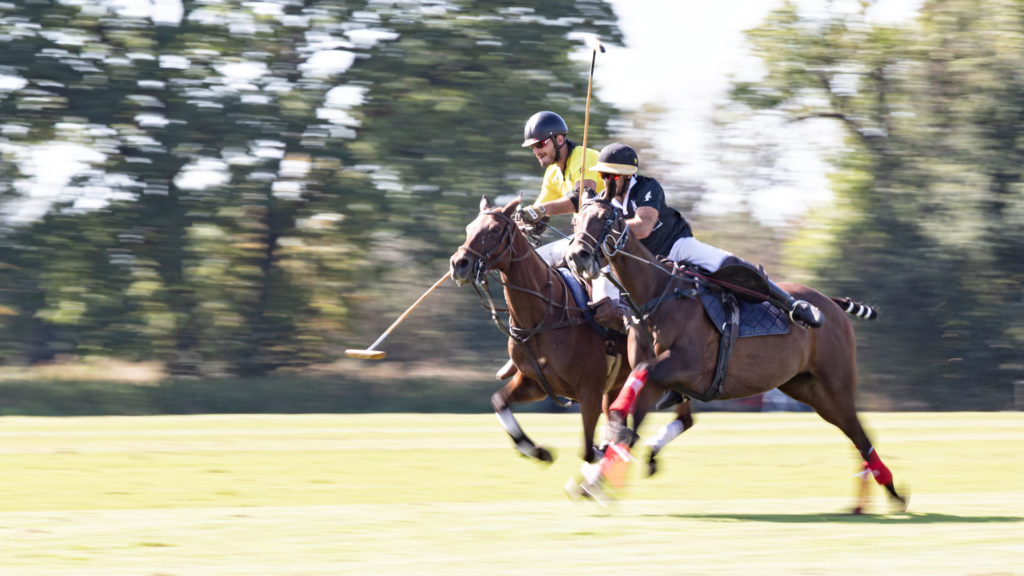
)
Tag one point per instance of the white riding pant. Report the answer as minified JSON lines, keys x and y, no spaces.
{"x":552,"y":252}
{"x":601,"y":288}
{"x":696,"y":252}
{"x":685,"y":249}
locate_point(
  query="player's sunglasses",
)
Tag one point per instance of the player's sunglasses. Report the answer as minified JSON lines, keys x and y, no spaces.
{"x":541,"y":144}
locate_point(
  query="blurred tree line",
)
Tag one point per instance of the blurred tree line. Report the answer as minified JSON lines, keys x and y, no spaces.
{"x":928,"y":222}
{"x":259,"y":176}
{"x":247,"y":187}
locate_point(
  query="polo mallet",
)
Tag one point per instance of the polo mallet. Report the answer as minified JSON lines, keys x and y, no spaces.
{"x":594,"y":44}
{"x":372,"y":353}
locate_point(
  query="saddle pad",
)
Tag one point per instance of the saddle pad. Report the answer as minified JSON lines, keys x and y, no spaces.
{"x":579,"y":294}
{"x":756,"y":318}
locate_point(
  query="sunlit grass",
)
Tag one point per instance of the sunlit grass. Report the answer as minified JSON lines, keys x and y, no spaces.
{"x":447,"y":494}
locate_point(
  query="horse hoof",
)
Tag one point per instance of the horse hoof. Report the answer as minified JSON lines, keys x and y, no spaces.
{"x":858,"y":511}
{"x":900,"y":502}
{"x":594,"y":492}
{"x":652,"y":463}
{"x":573,"y":489}
{"x":544,"y":455}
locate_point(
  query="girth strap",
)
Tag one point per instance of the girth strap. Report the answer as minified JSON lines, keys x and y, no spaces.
{"x":730,"y":333}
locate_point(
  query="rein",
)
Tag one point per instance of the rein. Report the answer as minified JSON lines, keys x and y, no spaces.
{"x":612,"y":240}
{"x":517,"y":334}
{"x":480,"y":283}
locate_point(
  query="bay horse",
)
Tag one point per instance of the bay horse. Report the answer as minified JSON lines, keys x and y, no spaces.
{"x":678,"y":349}
{"x":556,"y":350}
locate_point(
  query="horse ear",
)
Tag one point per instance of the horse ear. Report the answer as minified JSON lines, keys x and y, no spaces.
{"x":510,"y":208}
{"x":484,"y":204}
{"x":606,"y":195}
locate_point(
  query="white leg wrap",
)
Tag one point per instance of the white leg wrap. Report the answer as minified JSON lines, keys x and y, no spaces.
{"x":508,"y":422}
{"x":667,"y":433}
{"x":591,"y":473}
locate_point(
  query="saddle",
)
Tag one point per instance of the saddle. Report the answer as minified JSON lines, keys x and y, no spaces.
{"x":734,"y":298}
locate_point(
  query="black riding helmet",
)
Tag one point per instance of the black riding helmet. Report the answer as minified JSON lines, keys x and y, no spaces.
{"x":543,"y":125}
{"x":617,"y":158}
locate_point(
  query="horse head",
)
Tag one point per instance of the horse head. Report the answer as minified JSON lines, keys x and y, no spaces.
{"x":599,"y":232}
{"x":488,"y":244}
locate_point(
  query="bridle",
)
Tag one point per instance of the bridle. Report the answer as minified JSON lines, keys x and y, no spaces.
{"x":504,"y":248}
{"x":611,"y":240}
{"x":612,"y":237}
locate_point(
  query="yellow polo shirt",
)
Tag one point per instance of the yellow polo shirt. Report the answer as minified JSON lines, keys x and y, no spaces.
{"x":557,"y":185}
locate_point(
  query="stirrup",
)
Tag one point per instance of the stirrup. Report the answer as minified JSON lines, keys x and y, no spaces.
{"x":805,"y":313}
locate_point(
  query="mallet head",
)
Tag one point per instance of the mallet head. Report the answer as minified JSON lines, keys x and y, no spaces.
{"x":365,"y":354}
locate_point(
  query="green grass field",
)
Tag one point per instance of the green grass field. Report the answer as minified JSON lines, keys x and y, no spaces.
{"x":750,"y":494}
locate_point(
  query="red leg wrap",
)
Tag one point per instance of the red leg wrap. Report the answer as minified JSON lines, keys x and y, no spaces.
{"x":627,"y":396}
{"x":615,"y":464}
{"x":879,"y":470}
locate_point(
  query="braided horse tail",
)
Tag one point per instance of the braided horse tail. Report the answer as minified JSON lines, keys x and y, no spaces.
{"x":857,"y":309}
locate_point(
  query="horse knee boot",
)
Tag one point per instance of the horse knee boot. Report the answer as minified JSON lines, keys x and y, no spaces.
{"x":799,"y":310}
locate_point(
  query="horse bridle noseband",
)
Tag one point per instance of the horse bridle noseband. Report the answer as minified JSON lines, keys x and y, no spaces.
{"x":520,"y":335}
{"x":484,"y":260}
{"x":480,"y":283}
{"x":609,"y":239}
{"x":612,"y":240}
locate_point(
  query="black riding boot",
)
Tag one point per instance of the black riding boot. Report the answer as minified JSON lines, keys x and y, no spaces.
{"x":799,"y":310}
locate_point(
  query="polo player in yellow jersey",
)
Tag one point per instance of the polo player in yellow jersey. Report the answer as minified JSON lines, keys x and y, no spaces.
{"x":546,"y":134}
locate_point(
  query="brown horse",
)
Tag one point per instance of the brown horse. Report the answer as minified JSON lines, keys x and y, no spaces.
{"x":679,"y":347}
{"x":556,"y":350}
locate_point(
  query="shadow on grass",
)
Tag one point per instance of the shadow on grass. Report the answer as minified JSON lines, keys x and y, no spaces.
{"x":895,"y":518}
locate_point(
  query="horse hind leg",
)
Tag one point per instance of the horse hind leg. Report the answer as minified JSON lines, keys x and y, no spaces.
{"x":836,"y":406}
{"x":520,"y":389}
{"x":682,"y":422}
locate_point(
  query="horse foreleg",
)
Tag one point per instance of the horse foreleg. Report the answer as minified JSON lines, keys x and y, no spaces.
{"x":591,"y":408}
{"x":519,"y":389}
{"x":668,"y":433}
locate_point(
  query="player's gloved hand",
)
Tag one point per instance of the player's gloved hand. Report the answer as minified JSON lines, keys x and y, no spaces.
{"x":533,"y":214}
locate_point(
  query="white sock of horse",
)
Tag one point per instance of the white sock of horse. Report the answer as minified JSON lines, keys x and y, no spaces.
{"x":667,"y":433}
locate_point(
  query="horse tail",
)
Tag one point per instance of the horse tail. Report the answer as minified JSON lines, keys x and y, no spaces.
{"x":857,"y":309}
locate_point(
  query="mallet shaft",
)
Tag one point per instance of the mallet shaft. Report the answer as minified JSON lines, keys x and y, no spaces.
{"x":409,"y":310}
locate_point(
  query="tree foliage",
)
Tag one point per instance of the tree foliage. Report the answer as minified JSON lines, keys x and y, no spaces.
{"x":235,"y":182}
{"x":928,"y":219}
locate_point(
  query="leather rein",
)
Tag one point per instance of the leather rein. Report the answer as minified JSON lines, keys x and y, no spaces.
{"x":611,"y":241}
{"x":505,"y":248}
